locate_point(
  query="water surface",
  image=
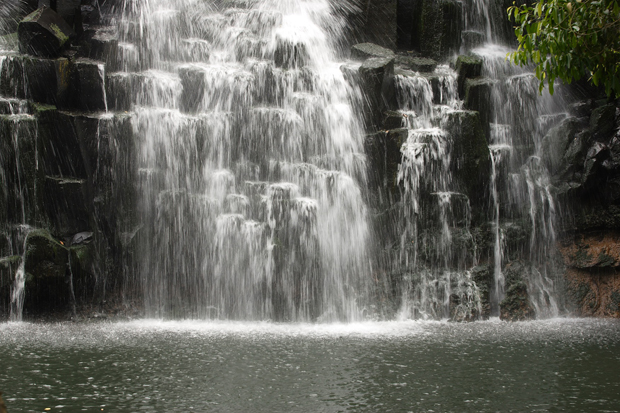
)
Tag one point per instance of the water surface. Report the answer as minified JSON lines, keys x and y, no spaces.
{"x":155,"y":366}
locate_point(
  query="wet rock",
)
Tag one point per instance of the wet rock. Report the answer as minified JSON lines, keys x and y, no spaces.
{"x":392,"y":120}
{"x":556,"y":142}
{"x":592,"y":251}
{"x":580,"y":109}
{"x":516,"y":305}
{"x":82,"y":266}
{"x":377,"y":76}
{"x":70,"y":11}
{"x":437,"y":28}
{"x":12,"y":79}
{"x":45,"y":265}
{"x":89,"y":86}
{"x":66,"y":205}
{"x":383,"y":149}
{"x":8,"y":268}
{"x":467,"y":67}
{"x":405,"y":21}
{"x":472,"y":39}
{"x":119,"y":91}
{"x":49,"y":81}
{"x":90,"y":12}
{"x":44,"y":33}
{"x":290,"y":55}
{"x":103,"y":47}
{"x":477,"y":97}
{"x":417,"y":64}
{"x":81,"y":238}
{"x":483,"y":277}
{"x":379,"y":25}
{"x":365,"y":50}
{"x":595,"y":291}
{"x":602,"y":122}
{"x":575,"y":154}
{"x":471,"y":160}
{"x":22,"y":174}
{"x":193,"y":81}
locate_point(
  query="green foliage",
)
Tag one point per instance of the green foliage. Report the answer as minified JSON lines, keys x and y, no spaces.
{"x":569,"y":39}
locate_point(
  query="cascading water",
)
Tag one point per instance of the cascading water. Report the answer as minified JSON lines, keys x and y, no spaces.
{"x":520,"y":184}
{"x":250,"y":160}
{"x":434,"y":210}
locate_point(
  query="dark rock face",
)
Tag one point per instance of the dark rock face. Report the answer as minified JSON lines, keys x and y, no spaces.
{"x":377,"y":75}
{"x":478,"y":98}
{"x":472,"y":39}
{"x":45,"y":264}
{"x":516,"y":305}
{"x":437,"y":28}
{"x":467,"y":67}
{"x":472,"y":161}
{"x":380,"y":22}
{"x":592,"y":261}
{"x":44,"y":33}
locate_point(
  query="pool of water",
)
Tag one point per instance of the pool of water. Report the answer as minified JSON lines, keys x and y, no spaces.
{"x":154,"y":366}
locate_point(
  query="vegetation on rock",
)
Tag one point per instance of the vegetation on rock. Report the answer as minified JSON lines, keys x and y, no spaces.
{"x":570,"y":39}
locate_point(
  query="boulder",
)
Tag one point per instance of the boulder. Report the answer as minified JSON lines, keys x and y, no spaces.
{"x":417,"y":64}
{"x":44,"y":33}
{"x":467,"y":67}
{"x":365,"y":50}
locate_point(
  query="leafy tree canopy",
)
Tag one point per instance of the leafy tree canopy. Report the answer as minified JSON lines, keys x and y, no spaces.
{"x":569,"y":39}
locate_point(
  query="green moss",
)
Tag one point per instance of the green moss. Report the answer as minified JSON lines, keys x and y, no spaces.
{"x":59,"y":33}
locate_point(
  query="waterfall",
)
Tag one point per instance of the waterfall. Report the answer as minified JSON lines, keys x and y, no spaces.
{"x":519,"y":117}
{"x":250,"y":157}
{"x":434,"y":211}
